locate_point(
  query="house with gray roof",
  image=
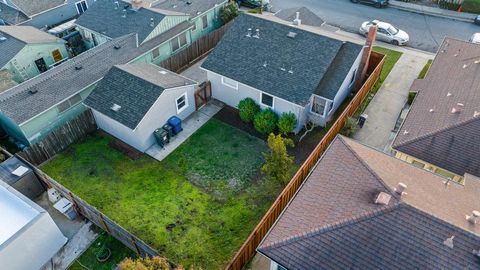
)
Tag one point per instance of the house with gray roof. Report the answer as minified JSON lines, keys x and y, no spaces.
{"x":41,"y":13}
{"x":33,"y":109}
{"x":133,"y":100}
{"x":284,"y":68}
{"x":204,"y":14}
{"x":441,"y":132}
{"x":107,"y":20}
{"x":27,"y":51}
{"x":362,"y":209}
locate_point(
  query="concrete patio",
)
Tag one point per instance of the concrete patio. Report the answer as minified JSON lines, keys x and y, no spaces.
{"x":189,"y":125}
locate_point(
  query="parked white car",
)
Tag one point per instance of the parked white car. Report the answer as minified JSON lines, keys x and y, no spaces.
{"x":475,"y":38}
{"x":386,"y":32}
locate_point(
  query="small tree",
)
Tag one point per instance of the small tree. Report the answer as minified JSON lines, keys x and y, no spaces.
{"x":287,"y":123}
{"x":146,"y":263}
{"x":277,"y":161}
{"x":248,"y":109}
{"x":229,"y":12}
{"x":265,"y":121}
{"x":350,"y":127}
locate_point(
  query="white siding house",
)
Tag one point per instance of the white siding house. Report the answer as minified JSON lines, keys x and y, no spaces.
{"x":133,"y":100}
{"x":283,"y":68}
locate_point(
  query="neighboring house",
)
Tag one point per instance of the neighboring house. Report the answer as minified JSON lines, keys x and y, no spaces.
{"x":441,"y":132}
{"x":362,"y":209}
{"x":41,"y":13}
{"x":284,"y":68}
{"x":31,"y":110}
{"x":305,"y":15}
{"x":203,"y":14}
{"x":133,"y":100}
{"x":107,"y":20}
{"x":27,"y":51}
{"x":29,"y":237}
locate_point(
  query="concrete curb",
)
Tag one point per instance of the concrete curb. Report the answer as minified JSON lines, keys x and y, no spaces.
{"x":437,"y":12}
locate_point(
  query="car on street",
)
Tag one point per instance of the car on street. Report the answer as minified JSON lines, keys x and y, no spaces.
{"x":254,"y":3}
{"x":375,"y":3}
{"x":475,"y":38}
{"x":386,"y":32}
{"x":477,"y":20}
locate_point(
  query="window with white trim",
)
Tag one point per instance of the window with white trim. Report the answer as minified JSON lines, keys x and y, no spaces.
{"x":229,"y":82}
{"x":205,"y":21}
{"x":179,"y":42}
{"x":267,"y":100}
{"x":182,"y":103}
{"x":69,"y":103}
{"x":82,"y":6}
{"x":318,"y":105}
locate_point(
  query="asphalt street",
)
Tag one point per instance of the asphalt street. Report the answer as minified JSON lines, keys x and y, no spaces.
{"x":426,"y":32}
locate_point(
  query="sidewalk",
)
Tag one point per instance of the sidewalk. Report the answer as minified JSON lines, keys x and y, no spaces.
{"x":389,"y":101}
{"x":433,"y":11}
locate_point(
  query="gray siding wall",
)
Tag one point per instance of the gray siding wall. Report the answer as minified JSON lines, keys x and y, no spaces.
{"x":57,"y":15}
{"x":232,"y":97}
{"x":345,"y":88}
{"x":142,"y":137}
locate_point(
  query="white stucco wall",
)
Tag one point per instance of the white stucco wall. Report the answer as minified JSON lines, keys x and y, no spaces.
{"x":232,"y":97}
{"x":142,"y":137}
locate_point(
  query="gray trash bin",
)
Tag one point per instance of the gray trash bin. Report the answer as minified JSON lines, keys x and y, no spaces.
{"x":66,"y":208}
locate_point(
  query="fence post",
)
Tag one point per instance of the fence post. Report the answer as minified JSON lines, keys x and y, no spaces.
{"x":134,"y":242}
{"x":104,"y":223}
{"x":75,"y":205}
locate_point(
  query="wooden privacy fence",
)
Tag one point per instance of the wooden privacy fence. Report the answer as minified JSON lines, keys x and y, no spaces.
{"x":60,"y":138}
{"x":95,"y":216}
{"x":195,"y":51}
{"x":247,"y":250}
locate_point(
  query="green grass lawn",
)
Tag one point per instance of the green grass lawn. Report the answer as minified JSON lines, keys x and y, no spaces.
{"x":88,"y":258}
{"x":425,"y":69}
{"x":196,"y":207}
{"x":390,"y":61}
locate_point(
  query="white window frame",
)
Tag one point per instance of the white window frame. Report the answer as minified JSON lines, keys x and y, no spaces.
{"x":76,"y":6}
{"x":325,"y":110}
{"x":204,"y":25}
{"x":186,"y":103}
{"x":228,"y":84}
{"x":266,"y":105}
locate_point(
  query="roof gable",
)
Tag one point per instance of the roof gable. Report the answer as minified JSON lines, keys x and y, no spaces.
{"x":11,"y":15}
{"x":135,"y":88}
{"x":290,"y":68}
{"x":108,"y":19}
{"x":192,"y":8}
{"x":9,"y":46}
{"x":30,"y":34}
{"x":32,"y":8}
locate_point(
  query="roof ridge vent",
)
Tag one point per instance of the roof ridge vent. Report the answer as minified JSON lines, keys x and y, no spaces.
{"x":32,"y":91}
{"x":474,"y":218}
{"x":115,"y":107}
{"x":117,"y":47}
{"x":449,"y":241}
{"x":400,"y":189}
{"x":382,"y":198}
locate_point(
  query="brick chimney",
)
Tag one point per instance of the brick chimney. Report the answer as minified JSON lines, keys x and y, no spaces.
{"x":367,"y":51}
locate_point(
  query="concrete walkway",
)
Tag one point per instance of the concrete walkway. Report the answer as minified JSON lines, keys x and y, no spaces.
{"x":389,"y":101}
{"x":433,"y":11}
{"x":189,"y":125}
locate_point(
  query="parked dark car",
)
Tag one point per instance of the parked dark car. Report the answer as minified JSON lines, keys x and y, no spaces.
{"x":375,"y":3}
{"x":254,"y":3}
{"x":477,"y":20}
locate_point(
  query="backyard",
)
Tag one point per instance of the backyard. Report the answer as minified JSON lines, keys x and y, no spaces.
{"x":196,"y":207}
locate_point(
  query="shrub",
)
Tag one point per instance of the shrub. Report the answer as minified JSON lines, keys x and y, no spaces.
{"x":449,"y":4}
{"x":147,"y":263}
{"x":471,"y":6}
{"x":277,"y":161}
{"x":229,"y":12}
{"x":287,"y":123}
{"x":411,"y":97}
{"x":425,"y":69}
{"x":350,"y":127}
{"x":265,"y":121}
{"x":248,"y":109}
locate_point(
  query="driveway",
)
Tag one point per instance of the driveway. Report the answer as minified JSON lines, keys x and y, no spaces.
{"x":389,"y":101}
{"x":426,"y":32}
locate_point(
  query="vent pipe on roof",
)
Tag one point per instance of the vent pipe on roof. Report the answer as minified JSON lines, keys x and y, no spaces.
{"x":449,"y":242}
{"x":152,"y":22}
{"x":474,"y":218}
{"x":400,"y":189}
{"x":249,"y":32}
{"x":257,"y":33}
{"x":383,"y":198}
{"x":116,"y":4}
{"x":476,"y":114}
{"x":297,"y":20}
{"x":124,"y":13}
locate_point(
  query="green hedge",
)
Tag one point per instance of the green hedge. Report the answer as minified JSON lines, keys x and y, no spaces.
{"x":449,"y":4}
{"x":471,"y":6}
